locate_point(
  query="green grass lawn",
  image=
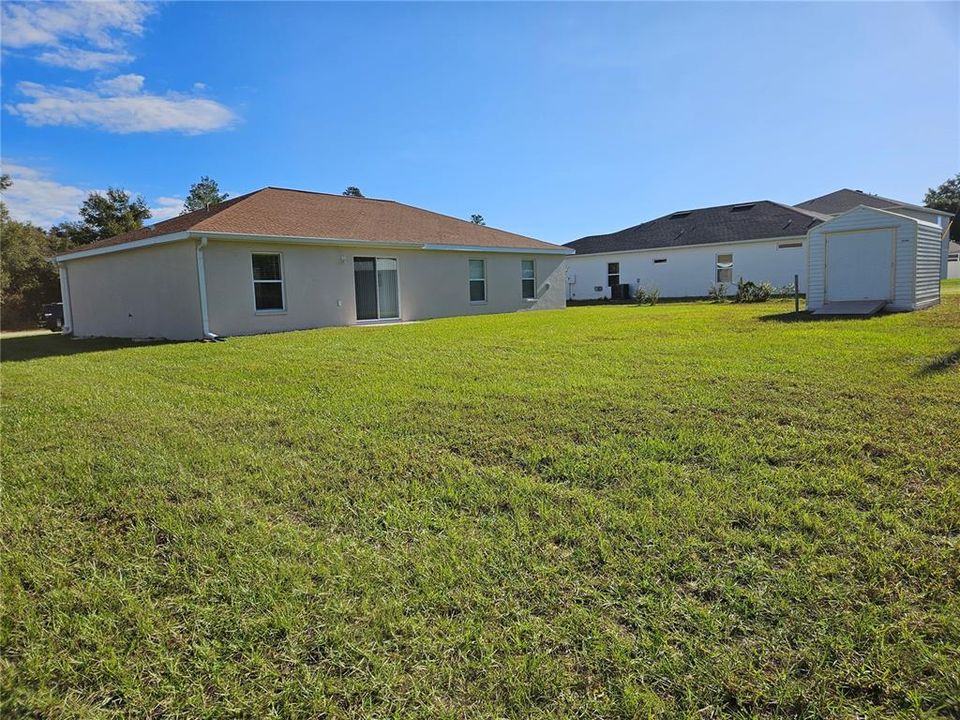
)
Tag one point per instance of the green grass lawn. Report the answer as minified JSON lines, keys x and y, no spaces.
{"x":689,"y":509}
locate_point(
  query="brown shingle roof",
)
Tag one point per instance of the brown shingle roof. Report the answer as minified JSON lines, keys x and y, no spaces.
{"x":301,"y":214}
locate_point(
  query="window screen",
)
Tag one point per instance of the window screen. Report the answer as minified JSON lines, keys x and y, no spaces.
{"x":725,"y":268}
{"x":478,"y":281}
{"x":528,"y":279}
{"x":267,"y":281}
{"x":613,"y":274}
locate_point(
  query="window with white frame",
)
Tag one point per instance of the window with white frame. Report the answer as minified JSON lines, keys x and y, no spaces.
{"x":613,"y":274}
{"x":478,"y":281}
{"x":528,"y":279}
{"x":725,"y":268}
{"x":268,"y":295}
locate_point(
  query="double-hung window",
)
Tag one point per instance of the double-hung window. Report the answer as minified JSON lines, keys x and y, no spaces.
{"x":528,"y":279}
{"x":478,"y":281}
{"x":725,"y":268}
{"x":613,"y":274}
{"x":268,"y":295}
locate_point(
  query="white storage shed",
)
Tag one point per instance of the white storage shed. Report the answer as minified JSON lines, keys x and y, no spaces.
{"x":867,"y":254}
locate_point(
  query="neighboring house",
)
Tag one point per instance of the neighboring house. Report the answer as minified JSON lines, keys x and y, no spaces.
{"x":953,"y":261}
{"x":279,"y":259}
{"x":685,"y":253}
{"x":841,"y":201}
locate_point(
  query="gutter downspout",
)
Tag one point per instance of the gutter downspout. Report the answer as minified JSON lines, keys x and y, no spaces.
{"x":202,"y":279}
{"x":67,"y":328}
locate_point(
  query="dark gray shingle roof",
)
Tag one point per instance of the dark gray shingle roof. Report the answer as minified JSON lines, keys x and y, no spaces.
{"x":842,"y":200}
{"x":721,"y":224}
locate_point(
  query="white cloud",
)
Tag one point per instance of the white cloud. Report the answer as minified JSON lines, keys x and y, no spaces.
{"x":121,"y":85}
{"x":100,"y":24}
{"x":165,"y":208}
{"x":78,"y":59}
{"x":35,"y":197}
{"x":38,"y":199}
{"x":120,"y":105}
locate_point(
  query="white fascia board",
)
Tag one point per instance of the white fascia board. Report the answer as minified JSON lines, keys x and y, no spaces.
{"x":340,"y":242}
{"x":146,"y":242}
{"x":290,"y":239}
{"x":558,"y":250}
{"x":664,"y":249}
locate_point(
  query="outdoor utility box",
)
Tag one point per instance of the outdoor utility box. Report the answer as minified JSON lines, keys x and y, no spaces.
{"x":620,"y":291}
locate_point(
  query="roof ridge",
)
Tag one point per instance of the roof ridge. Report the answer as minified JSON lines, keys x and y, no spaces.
{"x":327,"y":194}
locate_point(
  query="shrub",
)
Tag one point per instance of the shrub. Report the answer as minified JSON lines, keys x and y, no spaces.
{"x":647,"y":296}
{"x":750,"y":292}
{"x":717,"y":292}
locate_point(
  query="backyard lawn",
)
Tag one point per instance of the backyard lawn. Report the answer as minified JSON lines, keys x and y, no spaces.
{"x":690,"y":509}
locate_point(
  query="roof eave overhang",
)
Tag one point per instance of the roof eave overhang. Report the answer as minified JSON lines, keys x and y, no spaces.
{"x":296,"y":240}
{"x":667,"y":248}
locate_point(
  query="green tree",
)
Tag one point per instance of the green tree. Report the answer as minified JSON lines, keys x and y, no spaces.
{"x":27,"y":278}
{"x":102,"y":215}
{"x":353,"y":191}
{"x":946,"y":197}
{"x":477,"y":219}
{"x":203,"y":193}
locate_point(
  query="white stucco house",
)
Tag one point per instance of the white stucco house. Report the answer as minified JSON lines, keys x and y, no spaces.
{"x":953,"y":261}
{"x":687,"y":252}
{"x":279,"y":259}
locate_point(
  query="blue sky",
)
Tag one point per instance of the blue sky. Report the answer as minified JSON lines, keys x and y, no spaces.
{"x":552,"y":120}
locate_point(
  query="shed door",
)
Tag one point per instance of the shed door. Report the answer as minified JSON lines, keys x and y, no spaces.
{"x":860,"y":265}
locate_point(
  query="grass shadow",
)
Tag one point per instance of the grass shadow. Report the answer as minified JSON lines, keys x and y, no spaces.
{"x":18,"y":348}
{"x":804,"y":316}
{"x":941,"y":364}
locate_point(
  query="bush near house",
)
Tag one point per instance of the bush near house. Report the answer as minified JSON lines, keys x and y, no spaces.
{"x":751,"y":292}
{"x":694,"y":511}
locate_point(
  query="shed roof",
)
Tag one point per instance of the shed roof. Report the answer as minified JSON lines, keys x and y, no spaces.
{"x":298,"y":214}
{"x":713,"y":225}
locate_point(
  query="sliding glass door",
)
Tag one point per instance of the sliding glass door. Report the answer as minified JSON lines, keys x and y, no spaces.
{"x":377,"y":288}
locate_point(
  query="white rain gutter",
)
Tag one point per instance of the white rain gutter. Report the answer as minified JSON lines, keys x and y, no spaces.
{"x":202,"y":280}
{"x":289,"y":239}
{"x":67,"y":328}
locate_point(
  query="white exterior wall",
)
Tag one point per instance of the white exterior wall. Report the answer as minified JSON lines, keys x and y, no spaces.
{"x":909,"y":256}
{"x":688,"y":271}
{"x":146,"y":292}
{"x":319,"y":284}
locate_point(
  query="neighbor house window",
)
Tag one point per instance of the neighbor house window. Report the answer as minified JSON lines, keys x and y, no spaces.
{"x":659,"y":260}
{"x":784,"y":246}
{"x":528,"y":279}
{"x":725,"y":268}
{"x":268,"y":282}
{"x":478,"y":281}
{"x":613,"y":274}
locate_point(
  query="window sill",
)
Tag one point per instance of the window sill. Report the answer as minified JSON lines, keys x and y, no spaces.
{"x":530,"y":299}
{"x":478,"y":302}
{"x":270,"y":312}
